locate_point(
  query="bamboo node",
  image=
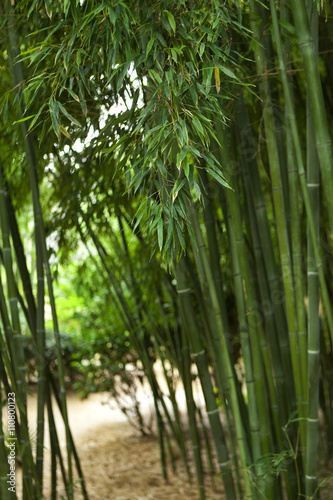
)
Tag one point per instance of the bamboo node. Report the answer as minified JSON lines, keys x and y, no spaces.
{"x":313,"y":352}
{"x":185,"y":290}
{"x":212,"y":411}
{"x":224,"y":464}
{"x":199,"y":353}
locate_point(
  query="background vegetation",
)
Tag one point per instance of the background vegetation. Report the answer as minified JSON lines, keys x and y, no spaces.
{"x":166,"y":199}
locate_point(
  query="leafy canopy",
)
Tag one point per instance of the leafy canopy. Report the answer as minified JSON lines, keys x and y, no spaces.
{"x":160,"y":73}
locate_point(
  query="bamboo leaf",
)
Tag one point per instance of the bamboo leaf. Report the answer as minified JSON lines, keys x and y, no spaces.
{"x":23,"y":119}
{"x":54,"y":112}
{"x":180,"y":236}
{"x":64,"y":132}
{"x":217,"y":78}
{"x":171,"y":20}
{"x":227,"y":72}
{"x":161,"y":38}
{"x":68,"y":115}
{"x":33,"y":5}
{"x":160,"y":233}
{"x":287,"y":26}
{"x":36,"y":117}
{"x":174,"y":55}
{"x":150,"y":45}
{"x":112,"y":15}
{"x":75,"y":96}
{"x":197,"y":125}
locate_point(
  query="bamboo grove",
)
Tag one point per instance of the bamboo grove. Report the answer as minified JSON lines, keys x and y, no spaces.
{"x":202,"y":191}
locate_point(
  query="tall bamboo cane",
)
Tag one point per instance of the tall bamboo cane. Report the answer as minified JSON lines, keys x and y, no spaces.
{"x":5,"y":494}
{"x":282,"y":230}
{"x":29,"y":146}
{"x":313,"y":183}
{"x":316,"y":99}
{"x":17,"y":345}
{"x":201,"y":362}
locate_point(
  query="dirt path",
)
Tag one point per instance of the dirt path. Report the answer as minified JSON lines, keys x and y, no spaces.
{"x":118,"y":463}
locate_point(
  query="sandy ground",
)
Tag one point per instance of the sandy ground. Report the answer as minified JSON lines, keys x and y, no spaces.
{"x":117,"y":461}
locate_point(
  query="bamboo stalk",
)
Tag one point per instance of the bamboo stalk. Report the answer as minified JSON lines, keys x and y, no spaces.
{"x":207,"y":313}
{"x":313,"y":183}
{"x":282,"y":230}
{"x":4,"y":469}
{"x":316,"y":99}
{"x":187,"y":381}
{"x":30,"y":152}
{"x":17,"y":352}
{"x":279,"y":337}
{"x":201,"y":362}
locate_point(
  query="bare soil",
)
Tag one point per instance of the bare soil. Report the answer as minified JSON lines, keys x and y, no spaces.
{"x":118,"y":462}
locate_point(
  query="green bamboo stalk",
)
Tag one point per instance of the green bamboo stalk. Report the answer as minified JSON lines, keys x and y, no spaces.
{"x":4,"y":469}
{"x":40,"y":344}
{"x":281,"y":225}
{"x":146,"y":317}
{"x":265,"y":271}
{"x":301,"y":171}
{"x":173,"y":425}
{"x":190,"y":404}
{"x":279,"y":341}
{"x":136,"y":333}
{"x":40,"y":336}
{"x":210,"y":459}
{"x":213,"y":339}
{"x":266,"y":42}
{"x":18,"y":78}
{"x":297,"y":257}
{"x":162,"y":433}
{"x":6,"y":344}
{"x":17,"y":351}
{"x":55,"y":451}
{"x":256,"y":338}
{"x":51,"y":380}
{"x":207,"y":313}
{"x":315,"y":268}
{"x":313,"y":183}
{"x":21,"y":264}
{"x":44,"y":252}
{"x":326,"y":394}
{"x":37,"y":329}
{"x":316,"y":99}
{"x":176,"y":427}
{"x":201,"y":362}
{"x":276,"y":384}
{"x":295,"y":203}
{"x":17,"y":345}
{"x":258,"y":409}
